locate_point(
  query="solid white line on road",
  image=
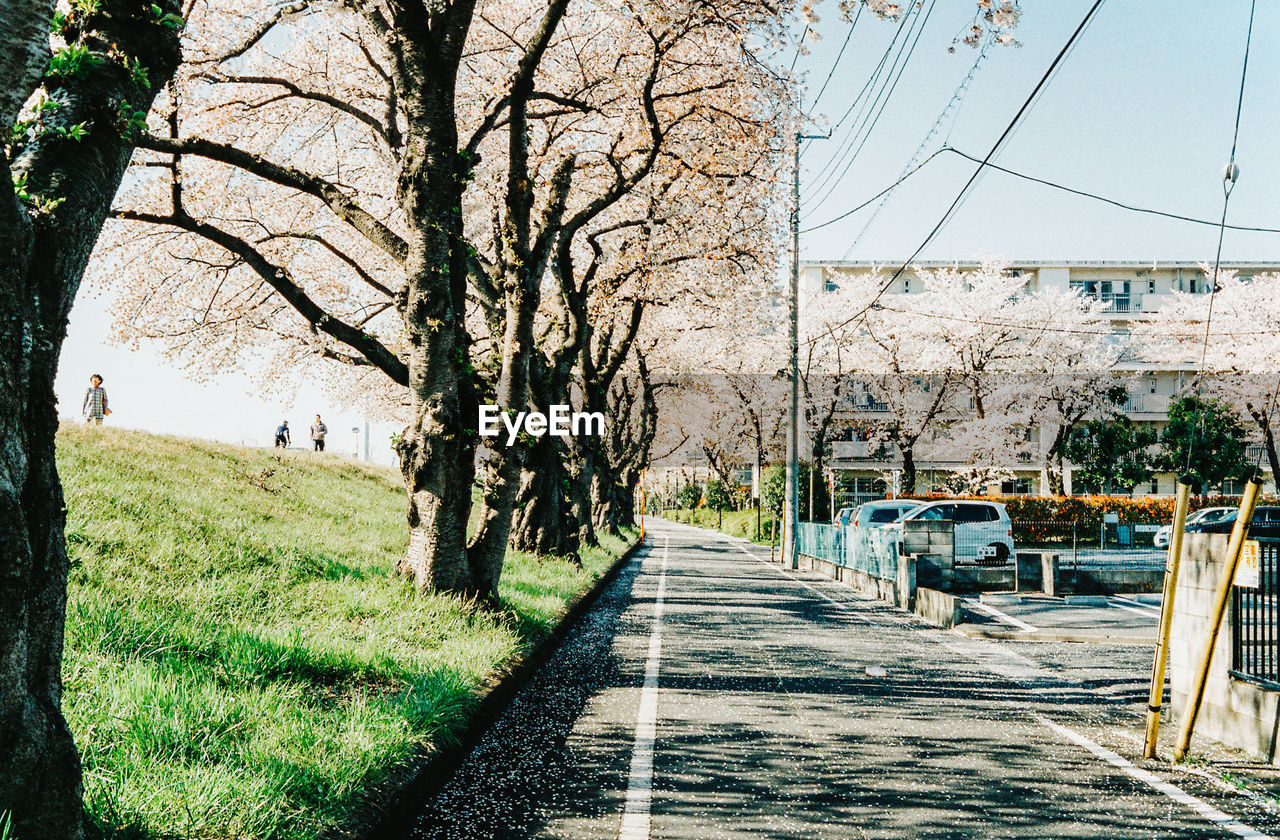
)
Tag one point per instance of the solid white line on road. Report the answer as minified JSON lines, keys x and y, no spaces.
{"x":1005,"y":617}
{"x":1147,"y":613}
{"x":1172,"y":791}
{"x":636,"y":816}
{"x":1151,"y":609}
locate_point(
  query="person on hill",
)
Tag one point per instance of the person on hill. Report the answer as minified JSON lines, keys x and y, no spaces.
{"x":318,"y":431}
{"x":94,"y":408}
{"x":282,"y":435}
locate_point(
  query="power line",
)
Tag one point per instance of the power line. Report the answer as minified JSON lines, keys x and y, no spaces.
{"x":869,"y":201}
{"x":847,"y":38}
{"x":1228,"y":183}
{"x":995,"y":148}
{"x":799,"y":48}
{"x":1051,"y":184}
{"x":875,"y":74}
{"x":1113,"y":202}
{"x":887,"y":93}
{"x":956,"y":99}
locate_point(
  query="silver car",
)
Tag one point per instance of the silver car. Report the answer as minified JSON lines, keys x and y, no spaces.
{"x":1212,"y":514}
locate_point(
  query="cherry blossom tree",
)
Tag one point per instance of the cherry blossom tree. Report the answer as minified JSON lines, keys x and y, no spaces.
{"x":1236,"y":360}
{"x":315,"y":188}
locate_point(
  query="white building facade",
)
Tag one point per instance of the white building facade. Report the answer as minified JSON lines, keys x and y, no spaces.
{"x":1134,"y":291}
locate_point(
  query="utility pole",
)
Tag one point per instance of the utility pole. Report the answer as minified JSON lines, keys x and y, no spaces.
{"x":791,"y":523}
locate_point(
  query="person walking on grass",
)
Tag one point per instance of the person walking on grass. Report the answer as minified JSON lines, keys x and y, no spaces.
{"x":282,"y":435}
{"x":94,"y":408}
{"x":318,"y":431}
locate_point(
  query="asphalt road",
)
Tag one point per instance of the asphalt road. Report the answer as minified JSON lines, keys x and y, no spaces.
{"x":710,"y":694}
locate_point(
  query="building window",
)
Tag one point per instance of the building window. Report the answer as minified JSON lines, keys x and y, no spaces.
{"x":1018,"y":487}
{"x":906,"y":286}
{"x":1151,"y":285}
{"x":1155,"y":486}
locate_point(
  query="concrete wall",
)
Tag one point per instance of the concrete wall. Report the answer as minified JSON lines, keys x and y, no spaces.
{"x":1234,"y":712}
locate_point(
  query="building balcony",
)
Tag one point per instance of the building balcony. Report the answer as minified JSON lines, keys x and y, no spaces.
{"x":1146,"y":404}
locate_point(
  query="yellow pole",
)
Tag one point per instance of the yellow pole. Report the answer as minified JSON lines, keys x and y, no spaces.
{"x":1234,"y":547}
{"x":1166,"y":616}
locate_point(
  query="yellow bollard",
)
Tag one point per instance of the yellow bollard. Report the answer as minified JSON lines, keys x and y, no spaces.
{"x":1234,"y":547}
{"x":642,"y":501}
{"x":1166,"y":616}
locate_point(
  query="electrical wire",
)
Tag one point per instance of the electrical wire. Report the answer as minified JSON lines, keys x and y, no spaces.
{"x":847,"y":38}
{"x":1113,"y":202}
{"x":875,"y":74}
{"x":953,"y":103}
{"x":995,"y":148}
{"x":1051,"y":184}
{"x":1229,"y":176}
{"x":881,"y":100}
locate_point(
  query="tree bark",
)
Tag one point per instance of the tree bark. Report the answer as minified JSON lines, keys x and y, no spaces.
{"x":437,"y":450}
{"x":1262,"y":418}
{"x":908,"y":470}
{"x":45,"y":242}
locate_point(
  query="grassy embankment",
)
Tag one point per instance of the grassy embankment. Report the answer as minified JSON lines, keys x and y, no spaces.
{"x":240,"y":660}
{"x":737,"y":523}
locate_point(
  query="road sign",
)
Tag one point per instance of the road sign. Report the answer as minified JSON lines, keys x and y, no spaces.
{"x":1249,"y":572}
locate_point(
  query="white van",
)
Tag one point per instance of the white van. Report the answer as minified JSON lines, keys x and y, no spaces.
{"x":983,"y":532}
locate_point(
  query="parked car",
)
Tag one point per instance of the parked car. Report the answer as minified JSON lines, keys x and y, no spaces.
{"x":1265,"y":523}
{"x":873,"y":514}
{"x":983,"y":531}
{"x":1165,"y":532}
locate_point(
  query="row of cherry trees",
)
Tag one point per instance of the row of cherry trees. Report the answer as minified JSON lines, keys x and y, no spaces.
{"x":975,"y":370}
{"x":450,"y":202}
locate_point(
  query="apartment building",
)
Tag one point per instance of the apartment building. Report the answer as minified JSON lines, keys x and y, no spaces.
{"x":1134,"y":291}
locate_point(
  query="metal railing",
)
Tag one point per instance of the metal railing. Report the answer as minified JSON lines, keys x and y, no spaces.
{"x":873,"y":551}
{"x":1092,"y":543}
{"x":1255,"y":623}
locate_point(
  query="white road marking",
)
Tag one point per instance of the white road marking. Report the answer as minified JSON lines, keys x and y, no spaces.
{"x":1005,"y":617}
{"x":1172,"y":791}
{"x":636,"y":816}
{"x":1147,"y":613}
{"x":1151,"y":609}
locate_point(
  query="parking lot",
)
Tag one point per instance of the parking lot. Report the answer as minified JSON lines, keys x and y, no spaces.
{"x":1082,"y":618}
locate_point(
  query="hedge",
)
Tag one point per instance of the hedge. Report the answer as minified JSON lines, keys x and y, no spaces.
{"x":1091,"y":508}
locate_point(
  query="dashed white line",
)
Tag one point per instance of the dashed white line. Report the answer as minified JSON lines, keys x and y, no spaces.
{"x":636,"y":816}
{"x":1172,"y":791}
{"x":1003,"y":616}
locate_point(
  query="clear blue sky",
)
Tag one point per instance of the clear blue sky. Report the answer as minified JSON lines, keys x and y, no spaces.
{"x":1141,"y":111}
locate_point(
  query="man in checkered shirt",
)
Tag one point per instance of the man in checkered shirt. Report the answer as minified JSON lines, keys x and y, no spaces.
{"x":95,"y":401}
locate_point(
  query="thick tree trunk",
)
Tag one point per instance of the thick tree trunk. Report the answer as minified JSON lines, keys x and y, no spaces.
{"x":542,"y":520}
{"x":45,"y":242}
{"x":437,"y":450}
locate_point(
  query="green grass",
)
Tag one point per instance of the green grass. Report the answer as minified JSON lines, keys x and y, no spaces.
{"x":737,"y":523}
{"x":241,"y":661}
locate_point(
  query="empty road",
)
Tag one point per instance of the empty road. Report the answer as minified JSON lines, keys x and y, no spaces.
{"x":710,"y":694}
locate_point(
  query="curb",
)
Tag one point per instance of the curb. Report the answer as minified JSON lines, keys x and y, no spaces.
{"x":426,"y":775}
{"x":975,"y":632}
